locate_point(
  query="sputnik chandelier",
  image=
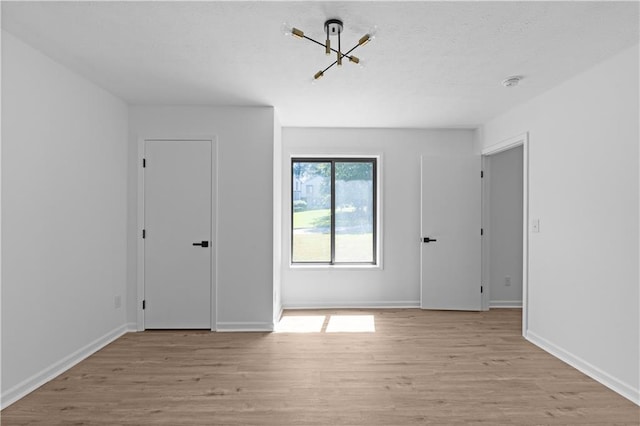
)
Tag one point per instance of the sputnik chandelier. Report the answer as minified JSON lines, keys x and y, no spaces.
{"x":332,"y":27}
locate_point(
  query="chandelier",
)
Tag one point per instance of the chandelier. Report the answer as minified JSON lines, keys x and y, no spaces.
{"x":332,"y":28}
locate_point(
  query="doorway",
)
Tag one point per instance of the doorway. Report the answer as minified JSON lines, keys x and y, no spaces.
{"x":503,"y":181}
{"x":177,"y":244}
{"x":505,"y":225}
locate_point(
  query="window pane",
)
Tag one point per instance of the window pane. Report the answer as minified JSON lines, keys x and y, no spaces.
{"x":354,"y":212}
{"x":311,"y":186}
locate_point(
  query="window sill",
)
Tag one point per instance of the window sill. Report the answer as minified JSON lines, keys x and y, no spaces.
{"x":329,"y":267}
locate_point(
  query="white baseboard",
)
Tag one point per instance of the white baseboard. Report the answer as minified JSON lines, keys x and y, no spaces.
{"x":353,"y":305}
{"x":131,"y":327}
{"x":505,"y":304}
{"x":32,"y":383}
{"x":244,"y":327}
{"x":590,"y":370}
{"x":278,"y":316}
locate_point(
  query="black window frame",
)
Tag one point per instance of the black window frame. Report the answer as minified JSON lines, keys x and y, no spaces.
{"x":333,"y":161}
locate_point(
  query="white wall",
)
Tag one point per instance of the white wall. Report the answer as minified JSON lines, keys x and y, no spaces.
{"x":245,"y":203}
{"x":583,"y":183}
{"x":398,"y":282}
{"x":504,"y":178}
{"x":63,"y":217}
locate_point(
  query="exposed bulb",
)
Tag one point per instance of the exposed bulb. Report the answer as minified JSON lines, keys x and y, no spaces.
{"x":285,"y":29}
{"x":369,"y":36}
{"x":373,"y":32}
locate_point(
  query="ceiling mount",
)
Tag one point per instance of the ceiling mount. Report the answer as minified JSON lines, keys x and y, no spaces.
{"x":332,"y":27}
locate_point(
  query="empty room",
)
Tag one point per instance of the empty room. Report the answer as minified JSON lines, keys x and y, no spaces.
{"x":320,"y":213}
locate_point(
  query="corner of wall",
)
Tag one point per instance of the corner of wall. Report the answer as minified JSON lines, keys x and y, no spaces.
{"x":478,"y":139}
{"x":277,"y":218}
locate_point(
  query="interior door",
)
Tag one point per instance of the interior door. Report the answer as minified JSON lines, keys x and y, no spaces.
{"x":177,"y":240}
{"x":450,"y":269}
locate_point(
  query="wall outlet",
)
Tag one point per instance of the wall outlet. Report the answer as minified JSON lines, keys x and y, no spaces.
{"x":507,"y":281}
{"x":117,"y":302}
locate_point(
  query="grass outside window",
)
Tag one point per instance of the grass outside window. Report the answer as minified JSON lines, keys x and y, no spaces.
{"x":333,"y":211}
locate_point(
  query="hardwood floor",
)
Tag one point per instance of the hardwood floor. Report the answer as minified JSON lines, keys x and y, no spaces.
{"x":418,"y":367}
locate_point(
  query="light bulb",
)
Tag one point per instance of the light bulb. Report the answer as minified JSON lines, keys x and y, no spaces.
{"x":285,"y":29}
{"x":373,"y":32}
{"x":369,"y":36}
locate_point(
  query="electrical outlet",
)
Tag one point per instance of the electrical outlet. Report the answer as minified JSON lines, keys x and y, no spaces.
{"x":507,"y":281}
{"x":117,"y":302}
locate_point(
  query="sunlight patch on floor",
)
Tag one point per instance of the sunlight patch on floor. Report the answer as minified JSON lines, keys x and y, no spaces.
{"x":316,"y":324}
{"x":351,"y":324}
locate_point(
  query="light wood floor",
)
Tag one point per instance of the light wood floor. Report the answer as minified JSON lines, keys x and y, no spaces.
{"x":418,"y":367}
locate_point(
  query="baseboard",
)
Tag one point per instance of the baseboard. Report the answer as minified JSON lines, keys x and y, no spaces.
{"x":278,"y":316}
{"x":353,"y":305}
{"x":131,"y":327}
{"x":590,"y":370}
{"x":245,"y":327}
{"x":505,"y":304}
{"x":34,"y":382}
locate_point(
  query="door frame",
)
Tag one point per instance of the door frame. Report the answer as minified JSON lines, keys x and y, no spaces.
{"x":140,"y":326}
{"x":519,"y":140}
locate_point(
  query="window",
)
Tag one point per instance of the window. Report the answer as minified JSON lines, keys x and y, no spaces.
{"x":334,"y":221}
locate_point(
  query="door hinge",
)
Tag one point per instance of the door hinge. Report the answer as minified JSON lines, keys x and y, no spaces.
{"x":481,"y":290}
{"x":144,"y":233}
{"x":144,"y":304}
{"x":481,"y":231}
{"x":144,"y":162}
{"x":481,"y":173}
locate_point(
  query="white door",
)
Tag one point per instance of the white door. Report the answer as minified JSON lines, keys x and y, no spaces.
{"x":450,"y":269}
{"x":177,"y":243}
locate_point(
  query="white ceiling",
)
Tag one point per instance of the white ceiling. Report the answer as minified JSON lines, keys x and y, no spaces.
{"x":433,"y":64}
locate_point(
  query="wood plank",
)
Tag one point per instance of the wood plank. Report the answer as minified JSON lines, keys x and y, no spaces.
{"x":418,"y":367}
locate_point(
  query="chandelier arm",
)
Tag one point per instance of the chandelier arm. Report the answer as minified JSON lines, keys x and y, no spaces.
{"x":346,"y":55}
{"x":350,"y":50}
{"x":325,"y":70}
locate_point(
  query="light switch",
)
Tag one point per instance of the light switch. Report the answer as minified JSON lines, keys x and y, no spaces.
{"x":535,"y":225}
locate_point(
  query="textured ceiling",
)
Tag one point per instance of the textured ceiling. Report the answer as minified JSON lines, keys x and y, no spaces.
{"x":433,"y":64}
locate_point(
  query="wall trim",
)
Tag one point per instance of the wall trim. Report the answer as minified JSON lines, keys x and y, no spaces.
{"x":505,"y":304}
{"x":353,"y":305}
{"x":278,"y":316}
{"x":521,"y":139}
{"x":583,"y":366}
{"x":46,"y":375}
{"x":245,"y":326}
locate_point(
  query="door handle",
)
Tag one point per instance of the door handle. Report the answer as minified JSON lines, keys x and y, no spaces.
{"x":202,"y":244}
{"x":428,"y":240}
